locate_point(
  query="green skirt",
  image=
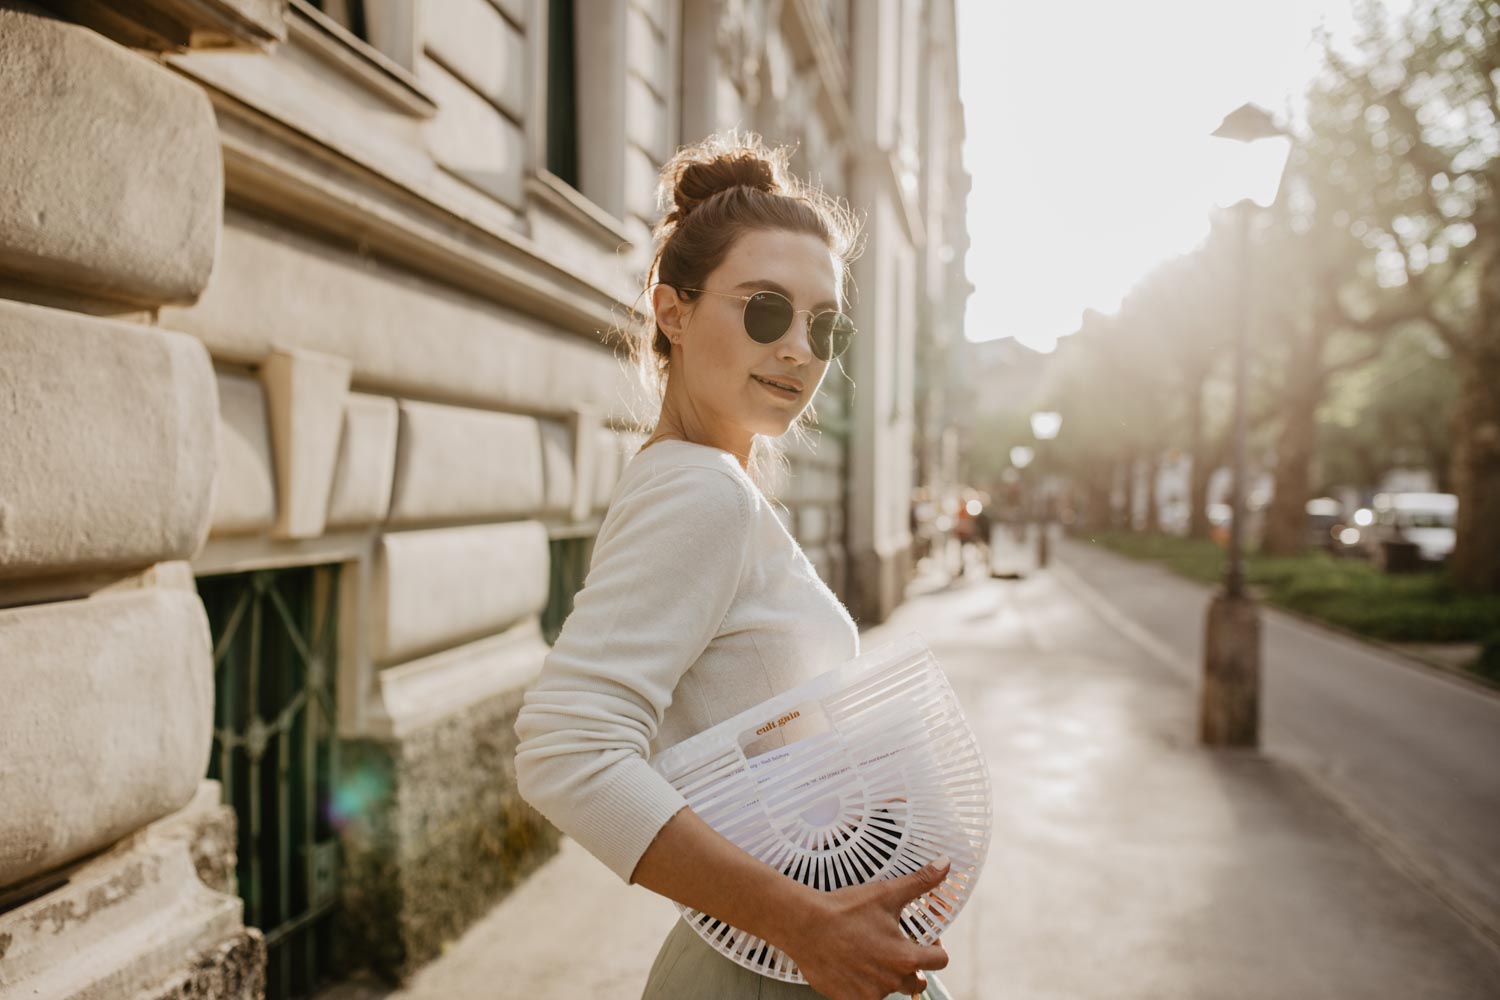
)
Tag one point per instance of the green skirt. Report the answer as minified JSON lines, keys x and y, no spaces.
{"x":688,"y":968}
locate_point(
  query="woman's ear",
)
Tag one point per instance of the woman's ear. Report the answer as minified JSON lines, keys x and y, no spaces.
{"x":670,"y":311}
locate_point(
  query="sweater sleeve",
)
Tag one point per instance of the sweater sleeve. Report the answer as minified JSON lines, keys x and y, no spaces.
{"x":657,"y":591}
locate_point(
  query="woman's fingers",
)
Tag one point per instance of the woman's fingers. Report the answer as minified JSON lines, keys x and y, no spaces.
{"x":912,"y":985}
{"x":860,"y":943}
{"x":925,"y":879}
{"x":933,"y":957}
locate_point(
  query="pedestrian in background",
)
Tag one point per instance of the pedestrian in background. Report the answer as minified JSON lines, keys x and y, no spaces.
{"x":983,"y":525}
{"x":698,"y":604}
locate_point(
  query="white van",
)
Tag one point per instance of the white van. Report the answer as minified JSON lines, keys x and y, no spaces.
{"x":1424,"y":519}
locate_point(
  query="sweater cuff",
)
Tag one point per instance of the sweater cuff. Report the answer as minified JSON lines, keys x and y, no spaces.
{"x":625,"y":816}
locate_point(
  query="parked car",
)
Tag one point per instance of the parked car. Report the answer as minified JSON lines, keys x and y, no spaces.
{"x":1325,"y":517}
{"x":1425,"y":520}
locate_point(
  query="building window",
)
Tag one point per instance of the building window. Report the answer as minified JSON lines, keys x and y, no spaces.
{"x":562,"y":93}
{"x":381,"y":31}
{"x":349,"y":13}
{"x":582,"y":110}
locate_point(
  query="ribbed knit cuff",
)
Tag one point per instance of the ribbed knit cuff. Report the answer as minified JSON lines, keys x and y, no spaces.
{"x":621,"y":818}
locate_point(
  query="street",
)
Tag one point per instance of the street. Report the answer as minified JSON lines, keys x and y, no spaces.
{"x":1409,"y":752}
{"x":1126,"y":861}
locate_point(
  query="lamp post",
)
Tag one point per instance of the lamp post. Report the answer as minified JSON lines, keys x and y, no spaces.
{"x":1230,"y":708}
{"x":1020,"y":458}
{"x":1044,"y":427}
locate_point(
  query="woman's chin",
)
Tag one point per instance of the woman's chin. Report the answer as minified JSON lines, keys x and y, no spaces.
{"x":775,"y":428}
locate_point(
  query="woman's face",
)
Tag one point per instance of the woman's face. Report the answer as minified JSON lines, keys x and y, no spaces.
{"x":717,"y":366}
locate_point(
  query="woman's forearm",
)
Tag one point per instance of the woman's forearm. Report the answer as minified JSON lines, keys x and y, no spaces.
{"x":693,"y":864}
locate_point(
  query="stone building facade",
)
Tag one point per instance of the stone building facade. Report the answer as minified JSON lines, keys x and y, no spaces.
{"x":307,"y":419}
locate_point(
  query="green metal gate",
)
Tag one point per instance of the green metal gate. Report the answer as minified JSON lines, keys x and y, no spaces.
{"x":275,"y":751}
{"x":570,"y":564}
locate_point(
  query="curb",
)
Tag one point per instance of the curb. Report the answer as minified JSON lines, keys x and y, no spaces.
{"x":1479,"y":682}
{"x":1476,"y":682}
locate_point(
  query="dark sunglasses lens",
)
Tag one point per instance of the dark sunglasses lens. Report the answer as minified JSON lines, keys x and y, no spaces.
{"x":767,"y":316}
{"x":831,"y":333}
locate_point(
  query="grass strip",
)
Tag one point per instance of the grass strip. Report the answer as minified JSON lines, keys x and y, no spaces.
{"x":1414,"y":607}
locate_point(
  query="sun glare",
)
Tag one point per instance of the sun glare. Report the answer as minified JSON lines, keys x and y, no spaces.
{"x":1088,"y":139}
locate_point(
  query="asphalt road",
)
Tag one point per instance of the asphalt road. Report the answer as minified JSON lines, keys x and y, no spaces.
{"x":1412,"y":755}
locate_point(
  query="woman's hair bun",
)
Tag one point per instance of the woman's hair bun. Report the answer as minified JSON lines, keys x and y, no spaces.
{"x":698,"y":173}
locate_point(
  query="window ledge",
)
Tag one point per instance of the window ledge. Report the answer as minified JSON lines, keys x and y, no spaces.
{"x":562,"y":197}
{"x":330,"y":41}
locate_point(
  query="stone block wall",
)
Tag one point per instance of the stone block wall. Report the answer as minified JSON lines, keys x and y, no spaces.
{"x":108,"y":453}
{"x":430,"y":430}
{"x":449,"y":838}
{"x":113,"y":873}
{"x":114,"y":188}
{"x":439,"y":514}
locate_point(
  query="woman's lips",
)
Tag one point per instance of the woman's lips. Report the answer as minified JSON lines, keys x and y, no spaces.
{"x":776,"y":390}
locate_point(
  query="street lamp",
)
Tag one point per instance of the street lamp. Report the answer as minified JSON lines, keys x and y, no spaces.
{"x":1230,"y":709}
{"x":1020,"y":458}
{"x":1044,"y":427}
{"x":1045,"y":424}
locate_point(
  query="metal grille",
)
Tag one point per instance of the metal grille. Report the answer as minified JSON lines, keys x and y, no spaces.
{"x":275,"y":752}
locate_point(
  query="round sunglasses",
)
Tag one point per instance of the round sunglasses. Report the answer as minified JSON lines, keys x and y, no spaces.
{"x":768,"y":316}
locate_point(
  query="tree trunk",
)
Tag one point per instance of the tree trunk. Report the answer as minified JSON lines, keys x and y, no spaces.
{"x":1439,"y":450}
{"x":1153,"y":501}
{"x":1096,"y":500}
{"x":1286,"y":520}
{"x":1132,"y":507}
{"x":1475,"y":563}
{"x":1198,"y":475}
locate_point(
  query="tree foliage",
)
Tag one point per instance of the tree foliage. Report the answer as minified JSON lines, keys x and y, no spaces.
{"x":1414,"y":116}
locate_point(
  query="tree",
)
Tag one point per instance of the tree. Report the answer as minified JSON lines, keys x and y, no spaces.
{"x":1392,"y":414}
{"x":1419,"y":114}
{"x":1192,"y":296}
{"x":1097,"y":407}
{"x":1307,"y":332}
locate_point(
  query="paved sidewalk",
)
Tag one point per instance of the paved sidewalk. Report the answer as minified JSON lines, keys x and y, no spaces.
{"x":1126,"y":861}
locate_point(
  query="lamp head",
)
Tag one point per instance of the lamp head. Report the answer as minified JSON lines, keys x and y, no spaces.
{"x":1247,"y":123}
{"x":1045,"y":424}
{"x":1252,"y":172}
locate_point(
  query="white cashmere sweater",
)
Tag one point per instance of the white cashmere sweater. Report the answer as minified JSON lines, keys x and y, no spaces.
{"x":698,"y":604}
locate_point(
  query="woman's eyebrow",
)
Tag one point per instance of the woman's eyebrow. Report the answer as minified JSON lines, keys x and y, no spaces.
{"x":762,"y":284}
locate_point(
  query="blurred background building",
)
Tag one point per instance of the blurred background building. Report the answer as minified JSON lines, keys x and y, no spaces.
{"x":310,"y":421}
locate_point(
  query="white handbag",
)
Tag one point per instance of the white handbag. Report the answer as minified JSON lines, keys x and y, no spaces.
{"x":866,"y":772}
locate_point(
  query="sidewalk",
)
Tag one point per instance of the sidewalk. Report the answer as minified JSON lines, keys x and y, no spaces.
{"x":1126,"y":861}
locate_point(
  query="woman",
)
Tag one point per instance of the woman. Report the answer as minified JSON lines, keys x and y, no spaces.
{"x":698,"y":603}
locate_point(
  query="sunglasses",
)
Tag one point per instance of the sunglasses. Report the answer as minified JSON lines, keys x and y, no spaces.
{"x":768,"y":316}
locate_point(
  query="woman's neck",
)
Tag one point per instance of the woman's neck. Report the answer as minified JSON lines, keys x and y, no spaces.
{"x":672,"y":433}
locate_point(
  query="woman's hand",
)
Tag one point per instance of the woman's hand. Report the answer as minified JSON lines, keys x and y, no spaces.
{"x":850,"y":946}
{"x":848,"y":943}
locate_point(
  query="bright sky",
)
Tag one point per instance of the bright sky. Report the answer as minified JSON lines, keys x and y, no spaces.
{"x":1087,"y":138}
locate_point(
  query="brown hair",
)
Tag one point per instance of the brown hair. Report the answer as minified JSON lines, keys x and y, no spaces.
{"x":714,"y":192}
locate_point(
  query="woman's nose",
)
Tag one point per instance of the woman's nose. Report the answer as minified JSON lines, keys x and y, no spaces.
{"x":796,"y":343}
